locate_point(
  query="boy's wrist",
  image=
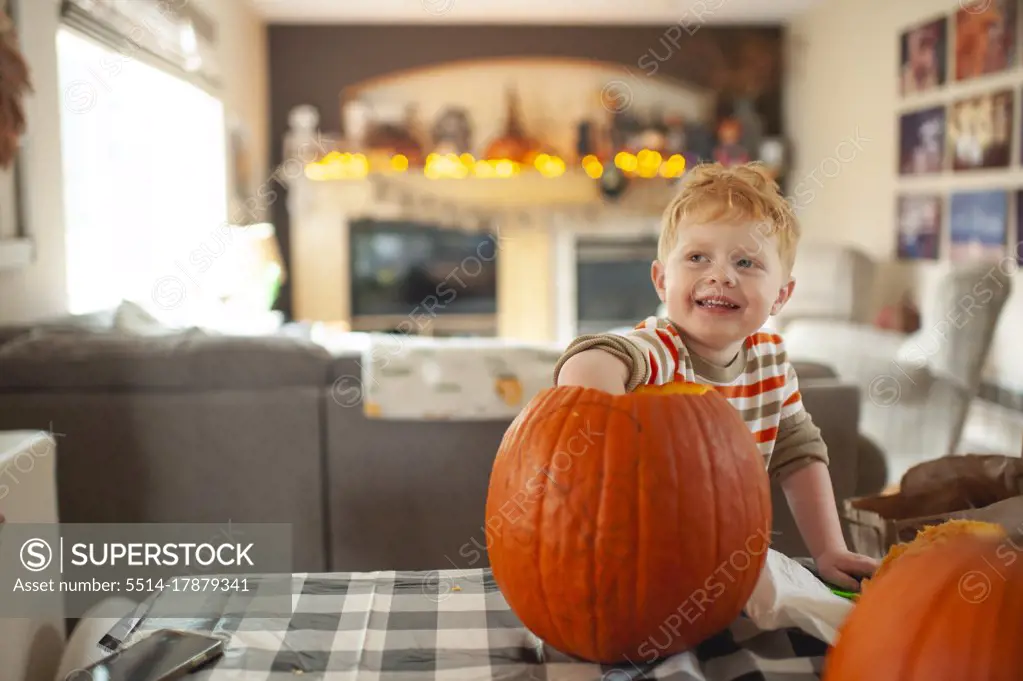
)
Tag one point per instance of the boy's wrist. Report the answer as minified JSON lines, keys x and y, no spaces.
{"x":831,"y":545}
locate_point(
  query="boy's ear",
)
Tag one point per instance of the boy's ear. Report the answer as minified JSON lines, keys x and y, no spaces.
{"x":784,"y":293}
{"x":657,"y":274}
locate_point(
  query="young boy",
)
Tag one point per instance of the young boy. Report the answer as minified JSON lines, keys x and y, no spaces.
{"x":724,"y":266}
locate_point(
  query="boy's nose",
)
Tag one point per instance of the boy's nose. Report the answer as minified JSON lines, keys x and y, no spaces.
{"x":721,"y":276}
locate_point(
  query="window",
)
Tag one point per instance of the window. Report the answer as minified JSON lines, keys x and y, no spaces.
{"x":145,"y":177}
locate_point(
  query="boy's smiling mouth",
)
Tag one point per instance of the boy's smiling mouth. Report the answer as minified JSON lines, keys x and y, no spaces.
{"x":715,"y":302}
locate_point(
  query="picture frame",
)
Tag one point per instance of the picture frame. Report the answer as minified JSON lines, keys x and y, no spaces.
{"x":978,"y":225}
{"x":981,"y":131}
{"x":923,"y":61}
{"x":922,"y":141}
{"x":985,"y":38}
{"x":918,"y":222}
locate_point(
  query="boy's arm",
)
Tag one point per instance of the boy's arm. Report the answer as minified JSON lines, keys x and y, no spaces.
{"x":800,"y":464}
{"x":812,"y":501}
{"x":619,"y":363}
{"x":599,"y":367}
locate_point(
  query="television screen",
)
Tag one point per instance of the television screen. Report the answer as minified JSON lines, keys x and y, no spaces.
{"x":409,"y":268}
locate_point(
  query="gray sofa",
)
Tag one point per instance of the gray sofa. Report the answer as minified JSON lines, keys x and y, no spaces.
{"x":196,"y":428}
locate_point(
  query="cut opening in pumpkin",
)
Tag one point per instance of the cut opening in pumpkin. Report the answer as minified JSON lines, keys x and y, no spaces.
{"x":674,"y":388}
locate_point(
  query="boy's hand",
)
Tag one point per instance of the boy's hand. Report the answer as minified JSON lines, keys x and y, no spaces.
{"x":838,"y":566}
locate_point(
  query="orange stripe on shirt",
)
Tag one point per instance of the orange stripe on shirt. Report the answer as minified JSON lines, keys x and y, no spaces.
{"x":654,"y":369}
{"x":765,"y":435}
{"x":757,"y":388}
{"x":672,"y":349}
{"x":793,"y":398}
{"x":763,"y":337}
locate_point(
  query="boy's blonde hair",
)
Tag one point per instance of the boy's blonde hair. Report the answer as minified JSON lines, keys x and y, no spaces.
{"x":741,"y":194}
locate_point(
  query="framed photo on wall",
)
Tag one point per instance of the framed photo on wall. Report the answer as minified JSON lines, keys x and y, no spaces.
{"x":978,"y":224}
{"x":923,"y":60}
{"x":985,"y":37}
{"x":918,"y":220}
{"x":980,"y":131}
{"x":922,"y":141}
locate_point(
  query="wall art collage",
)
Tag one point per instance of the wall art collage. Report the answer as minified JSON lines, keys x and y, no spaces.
{"x":966,"y":132}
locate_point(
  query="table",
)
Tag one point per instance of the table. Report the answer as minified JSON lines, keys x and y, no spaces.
{"x":448,"y":624}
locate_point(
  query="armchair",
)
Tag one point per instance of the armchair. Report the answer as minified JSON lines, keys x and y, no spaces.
{"x":842,"y":277}
{"x":916,"y":389}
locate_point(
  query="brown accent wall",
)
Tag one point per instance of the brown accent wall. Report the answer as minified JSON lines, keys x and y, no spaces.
{"x":314,"y":64}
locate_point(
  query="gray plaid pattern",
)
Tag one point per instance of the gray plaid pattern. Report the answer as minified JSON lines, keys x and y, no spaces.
{"x":419,"y":626}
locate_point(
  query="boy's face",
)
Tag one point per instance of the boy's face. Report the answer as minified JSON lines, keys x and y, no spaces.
{"x":722,"y":282}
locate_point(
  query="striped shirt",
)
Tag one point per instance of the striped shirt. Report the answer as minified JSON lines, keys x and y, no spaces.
{"x":760,"y":383}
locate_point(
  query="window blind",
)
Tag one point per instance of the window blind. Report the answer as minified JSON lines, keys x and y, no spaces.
{"x":174,"y":33}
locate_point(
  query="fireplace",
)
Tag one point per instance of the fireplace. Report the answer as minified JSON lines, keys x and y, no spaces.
{"x":528,"y":290}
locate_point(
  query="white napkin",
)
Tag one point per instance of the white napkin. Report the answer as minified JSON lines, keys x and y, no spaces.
{"x":788,"y":595}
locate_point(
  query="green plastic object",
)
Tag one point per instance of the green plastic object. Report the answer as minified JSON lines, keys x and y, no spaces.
{"x":844,"y":594}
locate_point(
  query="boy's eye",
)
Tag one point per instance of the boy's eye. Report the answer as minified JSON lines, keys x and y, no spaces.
{"x":745,"y":262}
{"x":695,"y":257}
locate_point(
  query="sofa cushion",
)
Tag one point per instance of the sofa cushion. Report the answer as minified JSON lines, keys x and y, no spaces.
{"x":101,"y":320}
{"x":808,"y":371}
{"x":49,"y":359}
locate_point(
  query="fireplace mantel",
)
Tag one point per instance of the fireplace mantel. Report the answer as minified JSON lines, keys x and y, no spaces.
{"x":529,"y":212}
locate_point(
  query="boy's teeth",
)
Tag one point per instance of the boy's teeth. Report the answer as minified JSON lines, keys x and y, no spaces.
{"x":715,"y":303}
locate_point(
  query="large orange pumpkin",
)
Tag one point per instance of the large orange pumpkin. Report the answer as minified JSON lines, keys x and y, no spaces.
{"x":627,"y":527}
{"x":952,"y":612}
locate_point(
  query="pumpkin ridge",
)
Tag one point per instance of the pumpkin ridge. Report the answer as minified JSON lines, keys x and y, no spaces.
{"x":977,"y":632}
{"x":686,"y":422}
{"x":728,"y":468}
{"x":660,"y":419}
{"x":524,"y":443}
{"x":682,"y":428}
{"x":706,"y":426}
{"x":596,"y":554}
{"x":737,"y":469}
{"x":640,"y":569}
{"x":1016,"y":576}
{"x":1004,"y":619}
{"x":555,"y":628}
{"x":703,"y":417}
{"x":933,"y":613}
{"x":980,"y":633}
{"x":532,"y":421}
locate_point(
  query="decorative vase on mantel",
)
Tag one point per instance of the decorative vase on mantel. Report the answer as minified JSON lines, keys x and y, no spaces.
{"x":514,"y":144}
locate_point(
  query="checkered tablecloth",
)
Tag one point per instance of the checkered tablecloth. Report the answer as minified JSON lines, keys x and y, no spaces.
{"x":419,"y":626}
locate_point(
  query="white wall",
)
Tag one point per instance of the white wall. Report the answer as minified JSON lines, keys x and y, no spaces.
{"x":38,"y":291}
{"x":244,"y":62}
{"x":842,"y":86}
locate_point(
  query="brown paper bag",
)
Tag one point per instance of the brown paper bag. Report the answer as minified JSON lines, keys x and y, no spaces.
{"x":970,"y":487}
{"x":978,"y":473}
